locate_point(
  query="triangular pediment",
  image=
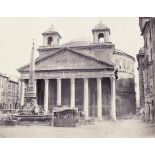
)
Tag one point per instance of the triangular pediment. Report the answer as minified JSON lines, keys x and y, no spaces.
{"x":67,"y":58}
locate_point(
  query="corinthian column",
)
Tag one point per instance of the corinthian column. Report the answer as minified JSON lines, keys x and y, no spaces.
{"x":86,"y":97}
{"x":99,"y":99}
{"x":72,"y":104}
{"x":46,"y":96}
{"x":113,"y":99}
{"x":58,"y":92}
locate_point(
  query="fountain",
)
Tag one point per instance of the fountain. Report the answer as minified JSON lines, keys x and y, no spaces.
{"x":31,"y":111}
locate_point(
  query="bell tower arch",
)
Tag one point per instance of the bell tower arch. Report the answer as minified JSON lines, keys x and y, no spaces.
{"x":51,"y":37}
{"x":101,"y":33}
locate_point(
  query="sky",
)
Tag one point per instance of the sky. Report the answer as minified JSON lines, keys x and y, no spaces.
{"x":17,"y":34}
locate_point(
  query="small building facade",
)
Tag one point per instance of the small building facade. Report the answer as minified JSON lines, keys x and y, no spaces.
{"x":9,"y":90}
{"x":146,"y":67}
{"x":83,"y":74}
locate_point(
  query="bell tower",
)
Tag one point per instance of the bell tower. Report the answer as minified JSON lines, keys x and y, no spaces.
{"x":101,"y":33}
{"x":51,"y":37}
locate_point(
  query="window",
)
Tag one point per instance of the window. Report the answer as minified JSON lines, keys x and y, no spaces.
{"x":101,"y":38}
{"x":13,"y":87}
{"x":50,"y":39}
{"x":151,"y":74}
{"x":150,"y":38}
{"x":151,"y":54}
{"x":6,"y":106}
{"x":124,"y":64}
{"x":120,"y":64}
{"x":147,"y":77}
{"x":152,"y":103}
{"x":9,"y":86}
{"x":145,"y":43}
{"x":128,"y":65}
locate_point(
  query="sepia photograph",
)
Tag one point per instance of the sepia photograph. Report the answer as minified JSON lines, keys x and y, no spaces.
{"x":77,"y":77}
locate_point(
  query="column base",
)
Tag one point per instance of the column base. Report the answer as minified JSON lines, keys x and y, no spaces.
{"x":114,"y":119}
{"x":99,"y":118}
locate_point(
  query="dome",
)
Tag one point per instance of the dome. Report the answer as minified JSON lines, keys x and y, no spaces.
{"x":120,"y":52}
{"x":77,"y":42}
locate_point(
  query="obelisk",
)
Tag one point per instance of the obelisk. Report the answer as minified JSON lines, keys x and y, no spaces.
{"x":30,"y":106}
{"x":31,"y":84}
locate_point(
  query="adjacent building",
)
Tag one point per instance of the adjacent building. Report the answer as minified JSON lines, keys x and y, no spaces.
{"x":9,"y":91}
{"x":146,"y":67}
{"x":90,"y":75}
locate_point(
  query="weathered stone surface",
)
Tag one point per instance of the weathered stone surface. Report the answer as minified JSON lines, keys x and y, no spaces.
{"x":31,"y":107}
{"x":68,"y":59}
{"x":146,"y":67}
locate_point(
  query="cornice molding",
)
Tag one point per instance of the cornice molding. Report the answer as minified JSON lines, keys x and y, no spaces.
{"x":89,"y":47}
{"x":73,"y":70}
{"x":124,"y":54}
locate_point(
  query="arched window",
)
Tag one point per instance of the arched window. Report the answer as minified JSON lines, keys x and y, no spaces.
{"x":50,"y":39}
{"x":101,"y":38}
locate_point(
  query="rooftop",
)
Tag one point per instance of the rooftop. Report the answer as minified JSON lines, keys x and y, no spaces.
{"x":10,"y":78}
{"x":51,"y":30}
{"x":77,"y":42}
{"x":100,"y":26}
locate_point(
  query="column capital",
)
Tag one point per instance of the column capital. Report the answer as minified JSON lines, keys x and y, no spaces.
{"x":46,"y":80}
{"x":22,"y":80}
{"x":98,"y":79}
{"x":85,"y":79}
{"x":72,"y":80}
{"x":112,"y":78}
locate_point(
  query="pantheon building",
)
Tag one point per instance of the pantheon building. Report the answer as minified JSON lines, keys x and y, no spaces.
{"x":93,"y":75}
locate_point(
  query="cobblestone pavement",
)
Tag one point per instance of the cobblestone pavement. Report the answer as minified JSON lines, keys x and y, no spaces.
{"x":133,"y":128}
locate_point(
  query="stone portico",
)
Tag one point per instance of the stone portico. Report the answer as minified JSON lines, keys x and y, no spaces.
{"x":90,"y":86}
{"x":79,"y":74}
